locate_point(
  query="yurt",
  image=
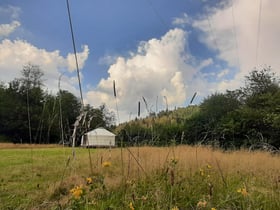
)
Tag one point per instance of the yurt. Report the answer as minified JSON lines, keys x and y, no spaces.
{"x":99,"y":137}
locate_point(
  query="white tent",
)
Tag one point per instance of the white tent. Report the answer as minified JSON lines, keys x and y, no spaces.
{"x":98,"y":137}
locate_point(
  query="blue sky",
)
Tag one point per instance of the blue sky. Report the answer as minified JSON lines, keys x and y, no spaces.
{"x":151,"y":48}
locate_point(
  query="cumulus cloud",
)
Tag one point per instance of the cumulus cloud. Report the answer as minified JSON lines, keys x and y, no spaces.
{"x":15,"y":54}
{"x":158,"y":70}
{"x":81,"y":57}
{"x":7,"y":29}
{"x":163,"y":67}
{"x":232,"y":32}
{"x":107,"y":60}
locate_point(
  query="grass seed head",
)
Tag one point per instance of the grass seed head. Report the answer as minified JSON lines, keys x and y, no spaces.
{"x":201,"y":204}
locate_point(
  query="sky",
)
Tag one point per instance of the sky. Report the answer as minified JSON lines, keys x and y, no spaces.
{"x":161,"y":50}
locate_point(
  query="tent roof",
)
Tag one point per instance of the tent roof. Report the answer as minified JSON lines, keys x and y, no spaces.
{"x":100,"y":132}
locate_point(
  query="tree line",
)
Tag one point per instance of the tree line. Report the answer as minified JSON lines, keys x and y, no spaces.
{"x":243,"y":117}
{"x":29,"y":114}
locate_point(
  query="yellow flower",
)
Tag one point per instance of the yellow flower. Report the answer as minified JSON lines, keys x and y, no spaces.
{"x":201,"y":204}
{"x":242,"y":191}
{"x":209,"y":166}
{"x":89,"y":180}
{"x":77,"y":192}
{"x":175,"y":208}
{"x":201,"y":172}
{"x":106,"y":164}
{"x":213,"y":208}
{"x":131,"y":206}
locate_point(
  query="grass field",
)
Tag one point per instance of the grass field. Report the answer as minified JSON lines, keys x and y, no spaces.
{"x":181,"y":177}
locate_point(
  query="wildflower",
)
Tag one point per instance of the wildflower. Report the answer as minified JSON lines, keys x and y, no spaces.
{"x":77,"y":192}
{"x":106,"y":164}
{"x":201,"y":172}
{"x":175,"y":208}
{"x":242,"y":191}
{"x":201,"y":204}
{"x":213,"y":208}
{"x":209,"y":166}
{"x":89,"y":180}
{"x":131,"y":206}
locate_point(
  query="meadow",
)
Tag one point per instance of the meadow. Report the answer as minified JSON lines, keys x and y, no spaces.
{"x":171,"y":178}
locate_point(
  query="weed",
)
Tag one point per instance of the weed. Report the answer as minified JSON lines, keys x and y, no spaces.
{"x":174,"y":178}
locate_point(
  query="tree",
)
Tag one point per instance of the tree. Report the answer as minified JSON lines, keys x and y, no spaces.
{"x":70,"y":110}
{"x":260,"y":82}
{"x":31,"y":76}
{"x":22,"y":101}
{"x":205,"y":125}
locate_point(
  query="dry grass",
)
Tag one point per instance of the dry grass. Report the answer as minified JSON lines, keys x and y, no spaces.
{"x":49,"y":178}
{"x":189,"y":159}
{"x":193,"y":157}
{"x":26,"y":146}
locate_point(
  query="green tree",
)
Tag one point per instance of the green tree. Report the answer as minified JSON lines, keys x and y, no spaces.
{"x":21,"y":98}
{"x":205,"y":125}
{"x":70,"y":110}
{"x":257,"y":119}
{"x":259,"y":82}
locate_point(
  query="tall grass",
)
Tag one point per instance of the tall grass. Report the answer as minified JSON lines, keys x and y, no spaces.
{"x":179,"y":177}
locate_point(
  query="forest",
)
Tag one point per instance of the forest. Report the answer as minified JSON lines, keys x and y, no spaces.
{"x":245,"y":117}
{"x":29,"y":114}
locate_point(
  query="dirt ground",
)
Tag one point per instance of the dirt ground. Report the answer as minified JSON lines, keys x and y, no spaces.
{"x":24,"y":146}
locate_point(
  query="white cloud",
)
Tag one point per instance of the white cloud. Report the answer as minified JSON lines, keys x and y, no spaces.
{"x":7,"y":29}
{"x":15,"y":54}
{"x":81,"y":57}
{"x":205,"y":63}
{"x":177,"y":90}
{"x":107,"y":60}
{"x":233,"y":33}
{"x":182,"y":21}
{"x":158,"y":69}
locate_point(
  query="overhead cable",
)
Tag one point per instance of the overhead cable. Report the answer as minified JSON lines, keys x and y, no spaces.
{"x":157,"y":14}
{"x":75,"y":53}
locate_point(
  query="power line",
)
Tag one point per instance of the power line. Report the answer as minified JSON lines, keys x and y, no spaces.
{"x":157,"y":14}
{"x":212,"y":34}
{"x":75,"y":53}
{"x":234,"y":33}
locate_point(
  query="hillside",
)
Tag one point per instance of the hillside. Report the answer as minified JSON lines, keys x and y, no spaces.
{"x":245,"y":117}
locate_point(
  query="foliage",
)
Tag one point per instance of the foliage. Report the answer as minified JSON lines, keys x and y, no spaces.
{"x":49,"y":114}
{"x":156,"y":129}
{"x":239,"y":118}
{"x":234,"y":119}
{"x":175,"y":178}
